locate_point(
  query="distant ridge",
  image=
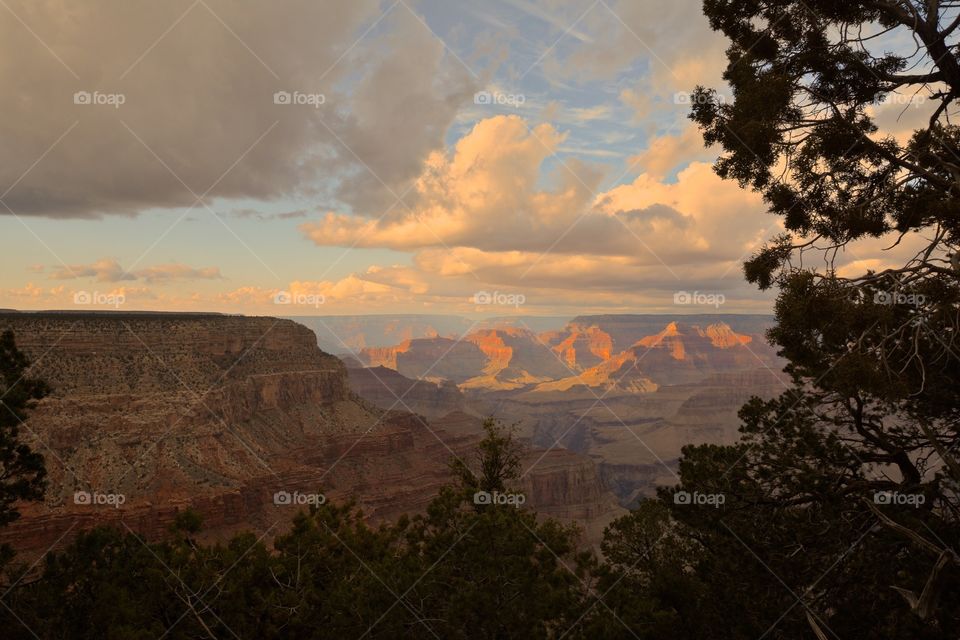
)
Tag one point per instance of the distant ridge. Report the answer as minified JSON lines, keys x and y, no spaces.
{"x":352,"y":333}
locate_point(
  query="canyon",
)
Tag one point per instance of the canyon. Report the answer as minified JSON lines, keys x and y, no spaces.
{"x":338,"y":334}
{"x":221,"y":413}
{"x":626,"y":391}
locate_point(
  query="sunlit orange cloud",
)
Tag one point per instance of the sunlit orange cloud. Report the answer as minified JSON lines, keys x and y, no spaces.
{"x":669,"y":152}
{"x":486,"y":195}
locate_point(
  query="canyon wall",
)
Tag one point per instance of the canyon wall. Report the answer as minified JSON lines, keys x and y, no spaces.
{"x":626,"y":391}
{"x":220,"y":413}
{"x":387,"y":388}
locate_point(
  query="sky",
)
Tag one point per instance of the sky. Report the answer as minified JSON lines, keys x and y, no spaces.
{"x":357,"y":156}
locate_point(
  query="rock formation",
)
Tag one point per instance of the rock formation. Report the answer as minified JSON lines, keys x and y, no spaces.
{"x":387,"y":389}
{"x":628,"y":391}
{"x":222,"y":413}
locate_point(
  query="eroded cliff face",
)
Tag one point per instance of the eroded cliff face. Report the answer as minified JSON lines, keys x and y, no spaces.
{"x":217,"y":413}
{"x":387,"y":388}
{"x":384,"y":356}
{"x":581,"y":347}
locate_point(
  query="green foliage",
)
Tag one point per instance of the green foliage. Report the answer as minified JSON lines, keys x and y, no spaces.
{"x":22,"y":473}
{"x":187,"y":522}
{"x":806,"y":77}
{"x":453,"y":572}
{"x":873,"y":355}
{"x":497,"y":461}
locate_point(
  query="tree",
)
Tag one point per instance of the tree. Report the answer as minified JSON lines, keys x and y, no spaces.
{"x":497,"y":570}
{"x":22,"y":472}
{"x":651,"y":581}
{"x":858,"y":463}
{"x":452,"y":572}
{"x":498,"y":461}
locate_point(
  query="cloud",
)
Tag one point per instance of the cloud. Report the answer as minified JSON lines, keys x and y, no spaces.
{"x":586,"y":114}
{"x":108,"y":270}
{"x":352,"y":289}
{"x":31,"y":292}
{"x":398,"y":113}
{"x":488,"y":195}
{"x":497,"y":211}
{"x":104,"y":270}
{"x":197,"y":82}
{"x":552,"y":17}
{"x":511,"y":204}
{"x":671,"y":37}
{"x":555,"y":283}
{"x":666,"y":153}
{"x":469,"y":196}
{"x":656,"y":50}
{"x":32,"y":296}
{"x":262,"y":215}
{"x":175,"y":271}
{"x":489,"y":214}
